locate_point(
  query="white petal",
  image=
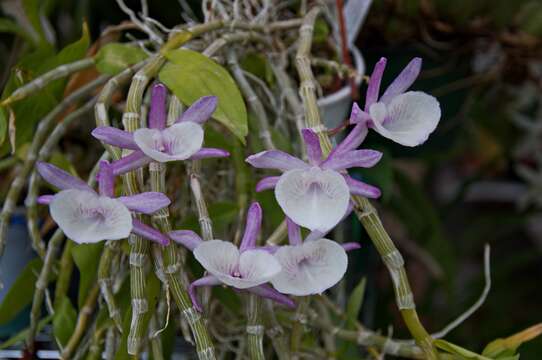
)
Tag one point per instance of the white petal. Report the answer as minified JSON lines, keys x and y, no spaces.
{"x":257,"y":267}
{"x":220,"y":258}
{"x":86,"y":217}
{"x":177,"y":142}
{"x":411,"y":117}
{"x":314,"y":198}
{"x":310,"y":268}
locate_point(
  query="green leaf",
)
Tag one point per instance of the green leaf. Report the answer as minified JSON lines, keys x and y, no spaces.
{"x":21,"y":292}
{"x":9,"y":26}
{"x":64,"y":321}
{"x":32,"y":11}
{"x":458,"y":350}
{"x":222,"y":213}
{"x":258,"y":65}
{"x":21,"y":336}
{"x":355,"y":302}
{"x":191,"y":75}
{"x":114,"y":58}
{"x":86,"y":257}
{"x":3,"y":125}
{"x":508,"y":346}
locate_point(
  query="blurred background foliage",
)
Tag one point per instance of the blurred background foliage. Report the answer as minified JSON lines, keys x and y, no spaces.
{"x":477,"y":180}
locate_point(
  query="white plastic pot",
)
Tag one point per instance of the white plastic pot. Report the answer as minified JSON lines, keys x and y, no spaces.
{"x":335,"y":107}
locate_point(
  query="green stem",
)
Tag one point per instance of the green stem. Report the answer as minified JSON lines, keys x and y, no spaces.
{"x":365,"y":211}
{"x":64,"y":274}
{"x":255,"y":328}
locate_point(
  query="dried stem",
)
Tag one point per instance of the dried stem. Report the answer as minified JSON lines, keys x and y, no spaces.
{"x":364,"y":210}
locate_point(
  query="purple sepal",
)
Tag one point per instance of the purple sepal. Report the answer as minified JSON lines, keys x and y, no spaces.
{"x":205,"y":153}
{"x":204,"y":281}
{"x":354,"y":158}
{"x":268,"y":292}
{"x":352,"y":140}
{"x":131,"y":162}
{"x":269,"y":248}
{"x":374,"y":83}
{"x":349,"y":246}
{"x":60,"y":178}
{"x":252,"y":227}
{"x":116,"y":137}
{"x":147,"y":202}
{"x":149,"y":232}
{"x":106,"y":179}
{"x":294,"y":232}
{"x":267,"y":183}
{"x":45,"y":199}
{"x":157,"y":111}
{"x":200,"y":111}
{"x":186,"y":238}
{"x":312,"y":144}
{"x":276,"y":159}
{"x":403,"y":81}
{"x":360,"y":188}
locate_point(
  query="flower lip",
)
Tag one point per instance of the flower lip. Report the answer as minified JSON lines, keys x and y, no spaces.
{"x":310,"y":268}
{"x":240,"y":270}
{"x":86,"y":217}
{"x":177,"y":142}
{"x":313,"y":198}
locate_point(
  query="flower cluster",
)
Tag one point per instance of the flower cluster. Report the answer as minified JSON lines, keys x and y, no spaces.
{"x":315,"y":194}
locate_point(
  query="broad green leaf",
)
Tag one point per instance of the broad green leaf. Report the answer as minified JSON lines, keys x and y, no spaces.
{"x":29,"y":111}
{"x":222,"y":213}
{"x":114,"y":58}
{"x":64,"y":321}
{"x":508,"y":346}
{"x":33,"y":13}
{"x":152,"y":291}
{"x":191,"y":75}
{"x":458,"y":350}
{"x":355,"y":302}
{"x":21,"y":336}
{"x":258,"y":65}
{"x":86,"y":257}
{"x":9,"y":26}
{"x":21,"y":292}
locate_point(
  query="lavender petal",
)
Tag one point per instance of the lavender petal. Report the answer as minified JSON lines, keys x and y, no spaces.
{"x":312,"y":143}
{"x":356,"y":158}
{"x":360,"y":188}
{"x":186,"y":238}
{"x":146,"y":203}
{"x":294,"y":232}
{"x":268,"y":182}
{"x":374,"y":83}
{"x":131,"y":162}
{"x":349,"y":246}
{"x":116,"y":137}
{"x":276,"y":159}
{"x":149,"y":232}
{"x":45,"y":199}
{"x":268,"y":292}
{"x":204,"y":281}
{"x":106,"y":179}
{"x":352,"y":140}
{"x":403,"y":81}
{"x":60,"y":178}
{"x":205,"y":153}
{"x":200,"y":111}
{"x":252,"y":227}
{"x":157,"y":112}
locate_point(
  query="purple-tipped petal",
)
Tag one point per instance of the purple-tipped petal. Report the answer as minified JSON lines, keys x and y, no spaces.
{"x":149,"y":232}
{"x":131,"y":162}
{"x":349,"y":246}
{"x":157,"y":111}
{"x":106,"y":179}
{"x":204,"y":281}
{"x":267,"y":183}
{"x":60,"y":178}
{"x":45,"y":199}
{"x":374,"y":83}
{"x":268,"y":292}
{"x":352,"y":140}
{"x":312,"y":143}
{"x":116,"y":137}
{"x":360,"y":188}
{"x":294,"y":232}
{"x":356,"y":158}
{"x":146,"y":203}
{"x":276,"y":159}
{"x":186,"y":238}
{"x":403,"y":81}
{"x":252,"y":227}
{"x":200,"y":111}
{"x":358,"y":116}
{"x":205,"y":153}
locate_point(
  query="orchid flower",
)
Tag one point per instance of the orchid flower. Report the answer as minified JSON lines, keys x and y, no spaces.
{"x":181,"y":141}
{"x":88,"y":217}
{"x":245,"y":268}
{"x":406,"y":117}
{"x":316,"y":194}
{"x":312,"y":266}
